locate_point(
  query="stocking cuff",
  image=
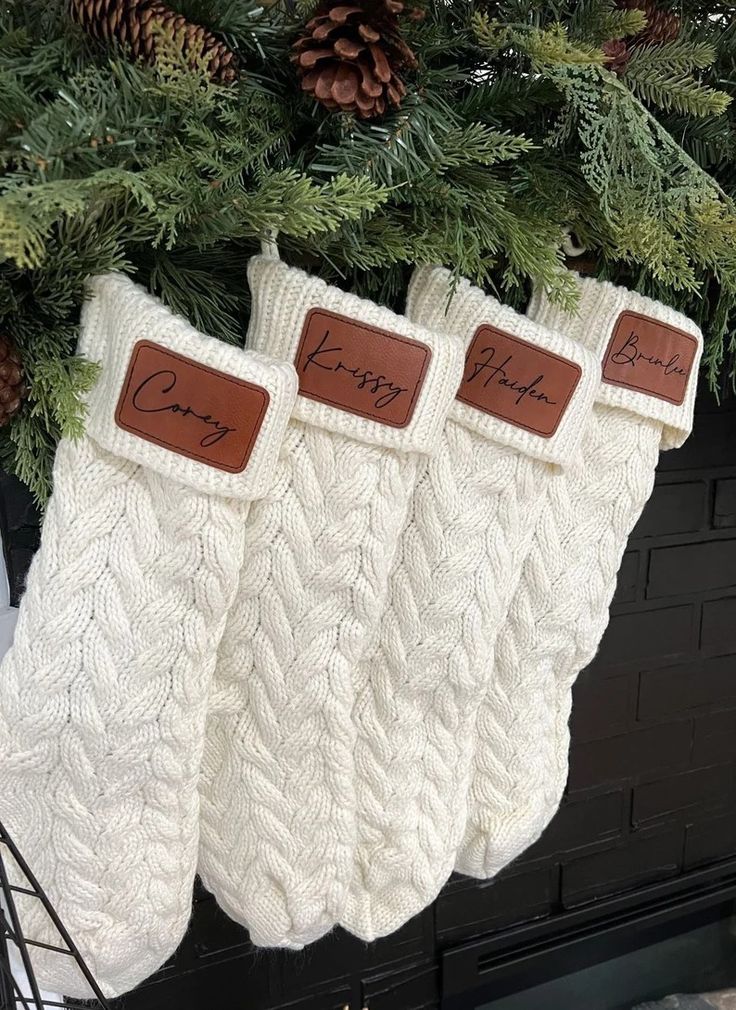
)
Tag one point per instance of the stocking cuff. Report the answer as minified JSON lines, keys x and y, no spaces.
{"x":523,"y":385}
{"x":648,"y":353}
{"x":186,"y":405}
{"x":363,"y":370}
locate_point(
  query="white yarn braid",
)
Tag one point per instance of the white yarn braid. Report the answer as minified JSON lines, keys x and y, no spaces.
{"x":278,"y":790}
{"x":419,"y":686}
{"x":560,"y":609}
{"x":103,"y":693}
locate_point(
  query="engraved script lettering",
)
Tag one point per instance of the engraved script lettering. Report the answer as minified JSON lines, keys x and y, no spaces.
{"x":629,"y":354}
{"x":324,"y":357}
{"x":499,"y":373}
{"x":147,"y":399}
{"x":651,"y":357}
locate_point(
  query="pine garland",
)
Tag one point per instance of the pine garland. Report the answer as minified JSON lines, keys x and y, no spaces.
{"x":513,"y":129}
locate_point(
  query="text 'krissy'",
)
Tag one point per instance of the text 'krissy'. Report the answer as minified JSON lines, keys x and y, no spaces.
{"x":359,"y":368}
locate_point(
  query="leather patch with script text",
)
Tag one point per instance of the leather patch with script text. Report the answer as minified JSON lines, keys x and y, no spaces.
{"x":650,"y":357}
{"x":359,"y":368}
{"x":190,"y":408}
{"x":517,"y":381}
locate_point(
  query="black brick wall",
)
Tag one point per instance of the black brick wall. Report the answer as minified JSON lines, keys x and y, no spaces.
{"x":652,"y":772}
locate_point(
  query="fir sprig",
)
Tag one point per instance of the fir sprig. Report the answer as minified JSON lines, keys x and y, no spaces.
{"x":513,"y":131}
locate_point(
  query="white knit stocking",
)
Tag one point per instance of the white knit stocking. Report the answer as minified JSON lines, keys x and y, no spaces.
{"x":473,"y":512}
{"x":278,"y":789}
{"x":560,"y":610}
{"x":103,"y":694}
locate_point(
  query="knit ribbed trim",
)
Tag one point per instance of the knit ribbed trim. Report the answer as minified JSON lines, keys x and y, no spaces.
{"x":116,"y":317}
{"x":599,"y":309}
{"x":283,"y":298}
{"x":432,"y":302}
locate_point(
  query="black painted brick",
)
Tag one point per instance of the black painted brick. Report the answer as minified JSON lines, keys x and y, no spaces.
{"x":673,"y":508}
{"x":201,"y":988}
{"x":666,"y":631}
{"x":691,"y":568}
{"x":709,"y":840}
{"x":643,"y":860}
{"x":724,"y":504}
{"x":339,"y":953}
{"x":715,"y":738}
{"x":600,"y":706}
{"x":621,"y":757}
{"x":718,"y":627}
{"x":480,"y":907}
{"x":217,"y":935}
{"x":331,"y":996}
{"x":710,"y":445}
{"x":628,"y":578}
{"x":702,"y":787}
{"x":581,"y":823}
{"x":687,"y":686}
{"x":406,"y":989}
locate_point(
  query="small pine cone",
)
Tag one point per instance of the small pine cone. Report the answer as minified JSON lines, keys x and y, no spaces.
{"x":662,"y":25}
{"x":349,"y":56}
{"x":12,"y":386}
{"x":618,"y":55}
{"x":138,"y":24}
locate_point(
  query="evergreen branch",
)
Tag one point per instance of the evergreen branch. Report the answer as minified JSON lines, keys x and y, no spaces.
{"x":510,"y":98}
{"x":477,"y":144}
{"x":709,"y":141}
{"x":551,"y":47}
{"x":675,"y":92}
{"x":512,"y":130}
{"x":492,"y":36}
{"x":545,"y":47}
{"x":599,"y":21}
{"x":682,"y":56}
{"x":28,"y":214}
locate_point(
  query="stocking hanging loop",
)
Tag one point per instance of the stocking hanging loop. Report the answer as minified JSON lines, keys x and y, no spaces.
{"x":570,"y":247}
{"x":269,"y":245}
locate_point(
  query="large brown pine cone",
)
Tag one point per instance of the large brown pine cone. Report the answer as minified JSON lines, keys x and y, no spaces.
{"x":349,"y":56}
{"x":138,"y":24}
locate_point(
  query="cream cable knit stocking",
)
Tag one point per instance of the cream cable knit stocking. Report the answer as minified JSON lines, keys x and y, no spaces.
{"x":103,"y":694}
{"x":649,"y":356}
{"x":524,"y":397}
{"x":278,"y":797}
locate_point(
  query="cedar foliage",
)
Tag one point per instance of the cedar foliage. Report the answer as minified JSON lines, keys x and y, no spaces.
{"x":512,"y":131}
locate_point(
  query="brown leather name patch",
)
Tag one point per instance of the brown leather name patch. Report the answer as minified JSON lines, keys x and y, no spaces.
{"x":366,"y":371}
{"x":189,"y":408}
{"x":517,"y":381}
{"x":650,"y":357}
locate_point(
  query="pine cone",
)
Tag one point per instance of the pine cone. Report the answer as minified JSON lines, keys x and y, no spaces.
{"x":12,"y":387}
{"x":349,"y":56}
{"x":137,"y":24}
{"x":662,"y":26}
{"x":618,"y":54}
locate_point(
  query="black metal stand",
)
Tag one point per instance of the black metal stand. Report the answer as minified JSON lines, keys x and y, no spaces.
{"x":11,"y":995}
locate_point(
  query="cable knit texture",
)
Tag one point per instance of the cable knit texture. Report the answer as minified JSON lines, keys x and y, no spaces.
{"x":103,"y":693}
{"x":560,"y":609}
{"x":419,"y":685}
{"x":278,"y":786}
